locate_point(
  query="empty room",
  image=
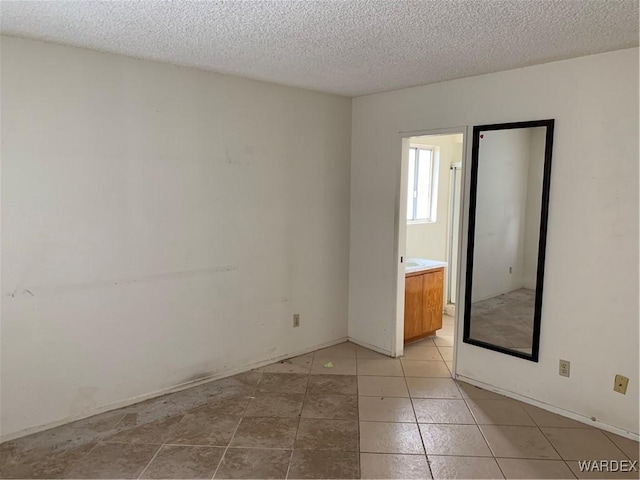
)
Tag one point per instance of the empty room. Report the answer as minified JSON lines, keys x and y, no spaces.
{"x":322,"y":239}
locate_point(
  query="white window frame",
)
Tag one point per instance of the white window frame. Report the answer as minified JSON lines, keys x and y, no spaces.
{"x":433,"y":185}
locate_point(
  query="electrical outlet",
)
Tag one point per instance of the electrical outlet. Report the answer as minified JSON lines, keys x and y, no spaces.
{"x":565,"y":368}
{"x":620,"y":384}
{"x":296,"y":320}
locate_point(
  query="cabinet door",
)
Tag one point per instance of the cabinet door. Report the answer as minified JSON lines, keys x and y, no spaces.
{"x":413,"y":305}
{"x":433,"y":291}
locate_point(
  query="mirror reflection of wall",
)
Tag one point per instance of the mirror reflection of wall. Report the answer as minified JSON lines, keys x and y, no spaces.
{"x":509,"y":185}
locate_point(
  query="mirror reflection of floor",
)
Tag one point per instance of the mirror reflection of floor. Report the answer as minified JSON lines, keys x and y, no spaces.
{"x":505,"y":320}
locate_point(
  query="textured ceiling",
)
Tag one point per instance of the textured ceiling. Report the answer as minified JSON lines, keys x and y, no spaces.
{"x":346,"y":47}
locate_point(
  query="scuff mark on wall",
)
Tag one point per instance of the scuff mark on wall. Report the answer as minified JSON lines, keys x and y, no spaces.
{"x":14,"y":293}
{"x":229,"y":160}
{"x":127,"y":281}
{"x":200,"y":376}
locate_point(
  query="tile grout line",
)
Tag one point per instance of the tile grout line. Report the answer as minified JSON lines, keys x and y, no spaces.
{"x":255,"y":388}
{"x":152,"y":459}
{"x":414,"y":421}
{"x":424,"y":448}
{"x":97,"y":438}
{"x":535,"y":424}
{"x":547,"y":439}
{"x":224,"y":446}
{"x":614,"y":442}
{"x":73,"y":464}
{"x":552,"y":445}
{"x":466,"y":402}
{"x":304,"y":398}
{"x":118,"y":422}
{"x":493,"y":455}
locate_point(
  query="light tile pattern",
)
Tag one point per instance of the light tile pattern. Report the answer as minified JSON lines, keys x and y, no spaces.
{"x":367,"y":416}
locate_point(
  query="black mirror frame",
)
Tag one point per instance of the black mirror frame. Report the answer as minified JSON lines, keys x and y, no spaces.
{"x":542,"y":241}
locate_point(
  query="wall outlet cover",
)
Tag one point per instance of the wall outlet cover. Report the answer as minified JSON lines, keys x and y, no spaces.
{"x":565,"y":368}
{"x":620,"y":384}
{"x":296,"y":320}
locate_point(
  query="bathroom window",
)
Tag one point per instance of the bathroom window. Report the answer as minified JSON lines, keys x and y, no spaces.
{"x":422,"y":191}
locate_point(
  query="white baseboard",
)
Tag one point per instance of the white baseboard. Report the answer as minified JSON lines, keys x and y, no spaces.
{"x":175,"y":388}
{"x":550,"y":408}
{"x":370,"y":347}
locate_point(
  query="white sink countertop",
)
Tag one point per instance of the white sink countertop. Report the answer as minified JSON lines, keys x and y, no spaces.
{"x":413,"y":265}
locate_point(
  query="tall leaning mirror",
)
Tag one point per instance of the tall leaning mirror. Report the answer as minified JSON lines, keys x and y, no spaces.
{"x":508,"y":209}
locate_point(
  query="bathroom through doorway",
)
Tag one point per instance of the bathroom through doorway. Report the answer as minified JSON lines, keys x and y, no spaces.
{"x":429,"y":239}
{"x":433,"y":204}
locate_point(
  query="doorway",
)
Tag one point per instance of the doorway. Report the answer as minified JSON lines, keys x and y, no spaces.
{"x":429,"y":210}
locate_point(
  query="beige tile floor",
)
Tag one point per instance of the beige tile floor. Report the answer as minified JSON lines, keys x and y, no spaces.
{"x":368,"y":417}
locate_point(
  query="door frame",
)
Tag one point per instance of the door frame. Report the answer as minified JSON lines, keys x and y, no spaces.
{"x":453,"y":198}
{"x":400,"y":234}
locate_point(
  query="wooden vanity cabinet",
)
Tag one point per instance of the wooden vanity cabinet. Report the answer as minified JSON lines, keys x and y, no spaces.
{"x":423,"y":303}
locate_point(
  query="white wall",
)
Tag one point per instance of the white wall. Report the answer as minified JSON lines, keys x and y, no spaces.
{"x":501,"y":201}
{"x":160,"y":224}
{"x":590,"y":305}
{"x":429,"y":240}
